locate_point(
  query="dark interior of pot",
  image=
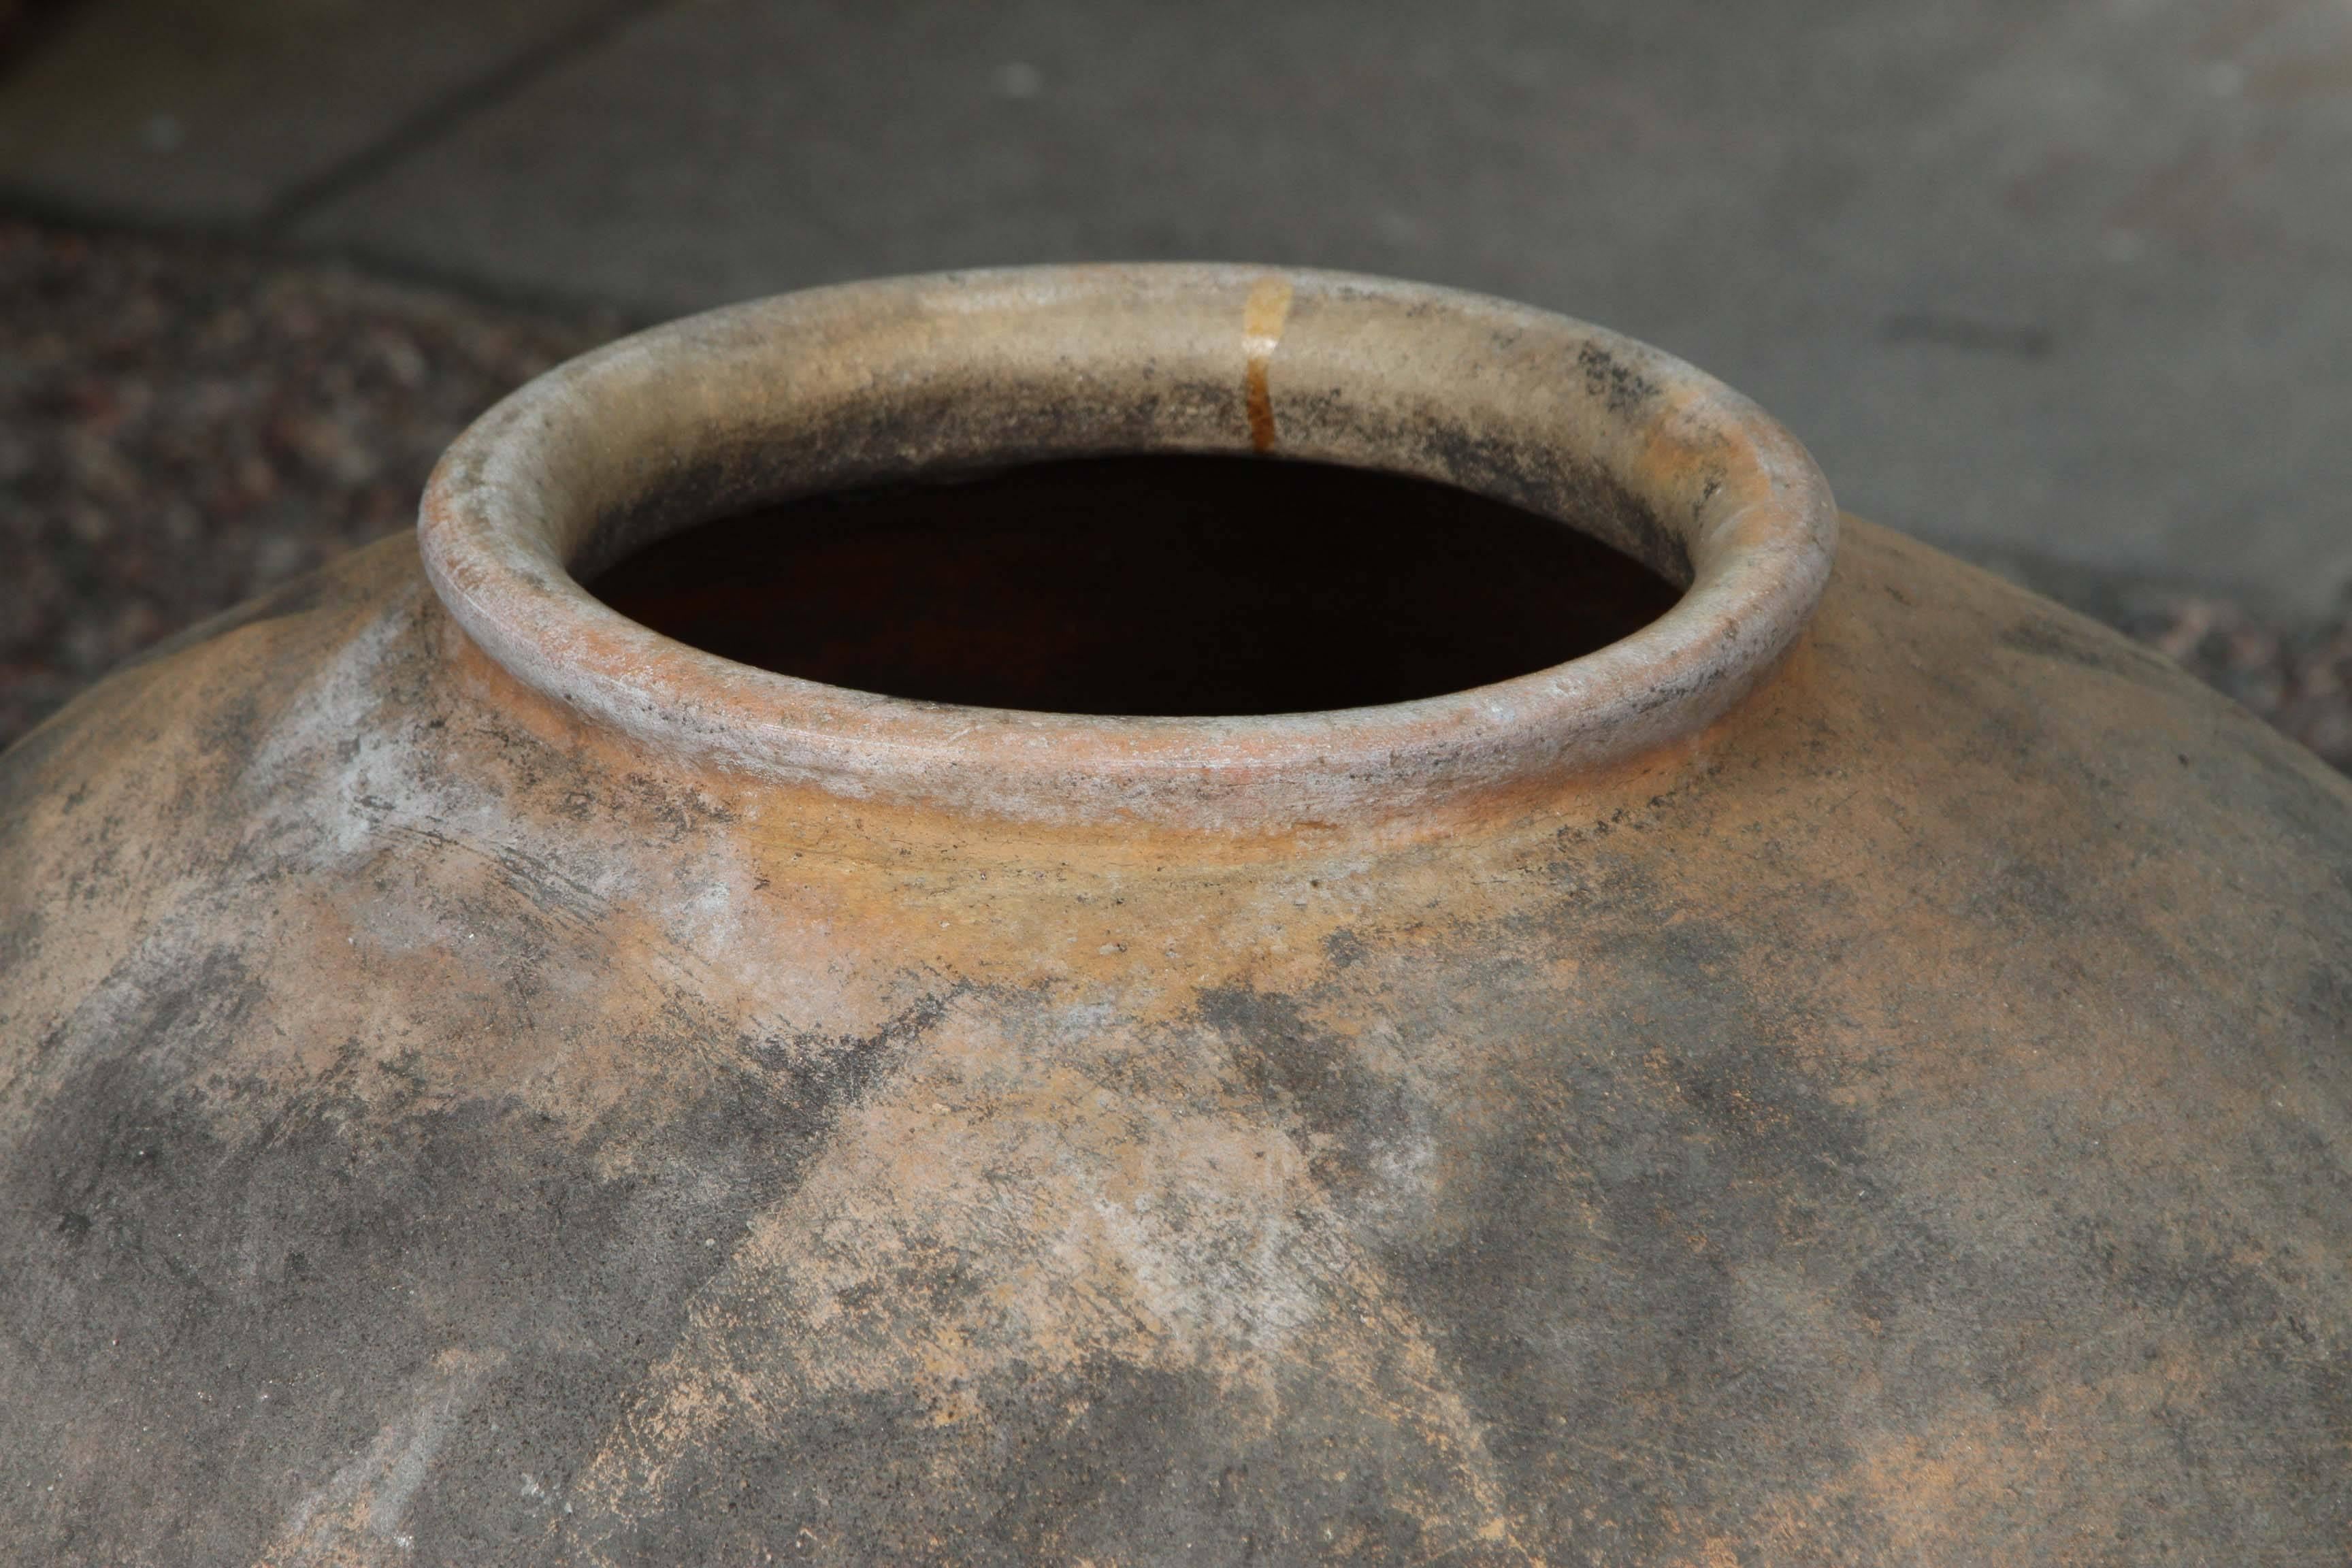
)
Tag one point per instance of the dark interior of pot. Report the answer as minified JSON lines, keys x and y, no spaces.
{"x":1171,"y":586}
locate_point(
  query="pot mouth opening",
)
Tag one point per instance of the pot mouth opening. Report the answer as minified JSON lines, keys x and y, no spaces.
{"x":891,"y":524}
{"x":1192,"y":585}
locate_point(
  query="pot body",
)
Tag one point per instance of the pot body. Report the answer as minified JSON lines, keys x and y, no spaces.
{"x":1908,"y":1121}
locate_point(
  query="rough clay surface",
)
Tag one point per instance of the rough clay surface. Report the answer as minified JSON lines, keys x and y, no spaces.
{"x":1910,"y":1123}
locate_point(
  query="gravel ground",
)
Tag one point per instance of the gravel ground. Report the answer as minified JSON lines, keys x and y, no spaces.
{"x":2298,"y":675}
{"x":185,"y":424}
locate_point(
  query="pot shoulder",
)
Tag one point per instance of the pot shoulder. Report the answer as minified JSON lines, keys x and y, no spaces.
{"x":1911,"y":1120}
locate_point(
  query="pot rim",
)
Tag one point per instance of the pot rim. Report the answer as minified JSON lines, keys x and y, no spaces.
{"x":863,"y":382}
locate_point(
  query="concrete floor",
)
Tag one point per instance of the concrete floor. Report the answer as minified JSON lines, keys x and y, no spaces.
{"x":2066,"y":286}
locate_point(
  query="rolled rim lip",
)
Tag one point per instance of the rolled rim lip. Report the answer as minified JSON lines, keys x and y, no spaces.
{"x":502,"y":520}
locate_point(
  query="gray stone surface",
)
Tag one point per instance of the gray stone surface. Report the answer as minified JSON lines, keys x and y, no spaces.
{"x":224,"y":112}
{"x":2060,"y":285}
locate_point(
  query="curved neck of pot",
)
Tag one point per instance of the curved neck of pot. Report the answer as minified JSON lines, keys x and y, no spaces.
{"x":844,"y":386}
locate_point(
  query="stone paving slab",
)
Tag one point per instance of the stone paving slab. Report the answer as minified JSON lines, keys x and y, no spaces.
{"x":225,"y":112}
{"x":2062,"y":280}
{"x":2057,"y":283}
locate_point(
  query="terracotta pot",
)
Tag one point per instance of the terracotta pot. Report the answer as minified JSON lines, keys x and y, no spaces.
{"x":1855,"y":1072}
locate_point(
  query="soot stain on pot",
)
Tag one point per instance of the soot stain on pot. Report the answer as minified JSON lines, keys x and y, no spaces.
{"x":992,"y":1457}
{"x":1574,"y":1136}
{"x":1607,"y":376}
{"x":829,"y":1072}
{"x":1337,"y":1112}
{"x":464,"y":1191}
{"x":1344,"y":949}
{"x":126,"y":1141}
{"x":581,"y":1392}
{"x":2325,"y":999}
{"x":2186,"y":1283}
{"x":1600,"y":1263}
{"x":1107,"y":1461}
{"x":1765,"y":1124}
{"x":480,"y":1194}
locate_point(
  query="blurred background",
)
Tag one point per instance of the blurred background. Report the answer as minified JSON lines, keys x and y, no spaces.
{"x":2064,"y":287}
